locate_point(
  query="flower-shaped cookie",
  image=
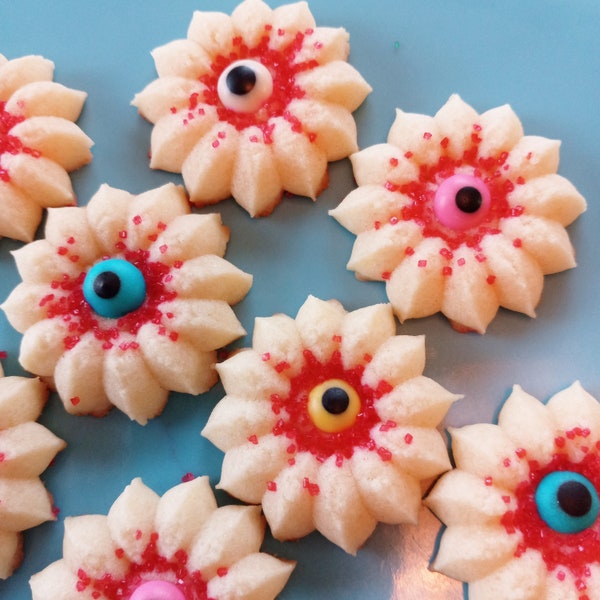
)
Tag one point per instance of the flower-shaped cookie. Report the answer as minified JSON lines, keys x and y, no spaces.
{"x":329,"y":422}
{"x":521,"y":507}
{"x":252,"y":104}
{"x":460,"y":213}
{"x":179,"y":546}
{"x":126,"y":299}
{"x":26,"y":449}
{"x":39,"y":143}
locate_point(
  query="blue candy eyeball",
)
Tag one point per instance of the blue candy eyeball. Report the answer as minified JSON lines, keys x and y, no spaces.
{"x":114,"y":287}
{"x":244,"y":86}
{"x":567,"y":501}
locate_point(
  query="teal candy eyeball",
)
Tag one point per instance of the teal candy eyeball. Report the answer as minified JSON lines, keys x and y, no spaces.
{"x":567,"y":501}
{"x":114,"y":287}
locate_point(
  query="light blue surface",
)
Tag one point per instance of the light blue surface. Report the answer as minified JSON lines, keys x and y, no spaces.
{"x":542,"y":57}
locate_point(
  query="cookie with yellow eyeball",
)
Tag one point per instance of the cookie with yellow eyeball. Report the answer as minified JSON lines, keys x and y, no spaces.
{"x":329,"y":423}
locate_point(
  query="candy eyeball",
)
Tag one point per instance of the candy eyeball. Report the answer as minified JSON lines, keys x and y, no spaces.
{"x":157,"y":590}
{"x":333,"y":405}
{"x":462,"y":201}
{"x":244,"y":86}
{"x":114,"y":288}
{"x":567,"y":501}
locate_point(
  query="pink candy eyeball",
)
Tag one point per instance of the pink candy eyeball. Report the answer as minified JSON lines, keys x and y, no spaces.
{"x":157,"y":590}
{"x":462,"y":201}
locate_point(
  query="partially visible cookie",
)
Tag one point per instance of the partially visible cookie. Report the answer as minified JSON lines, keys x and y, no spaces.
{"x":26,"y":449}
{"x":39,"y":143}
{"x":126,"y":299}
{"x":252,"y":104}
{"x":460,"y":213}
{"x":329,"y":423}
{"x":521,"y":508}
{"x":177,"y":546}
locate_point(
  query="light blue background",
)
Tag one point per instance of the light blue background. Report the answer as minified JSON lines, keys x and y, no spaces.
{"x":542,"y":57}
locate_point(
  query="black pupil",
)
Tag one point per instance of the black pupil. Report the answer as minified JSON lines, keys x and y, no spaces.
{"x":574,"y":498}
{"x":107,"y":285}
{"x":335,"y":400}
{"x":468,"y":199}
{"x":241,"y":80}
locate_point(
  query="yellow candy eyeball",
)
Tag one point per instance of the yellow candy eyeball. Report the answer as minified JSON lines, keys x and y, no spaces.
{"x":333,"y":405}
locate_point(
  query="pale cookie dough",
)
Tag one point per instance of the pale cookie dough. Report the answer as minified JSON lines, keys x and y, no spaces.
{"x":252,"y":104}
{"x":26,"y":449}
{"x":126,"y":299}
{"x":460,"y":213}
{"x":39,"y":143}
{"x":329,"y":423}
{"x":178,"y":546}
{"x":521,"y":507}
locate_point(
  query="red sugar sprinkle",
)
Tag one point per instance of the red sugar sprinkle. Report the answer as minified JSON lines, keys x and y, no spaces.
{"x":377,"y":225}
{"x":266,"y":356}
{"x":461,"y":262}
{"x":215,"y":144}
{"x":488,"y":480}
{"x":137,"y":219}
{"x":447,"y":271}
{"x":447,"y":253}
{"x":427,"y":135}
{"x":386,"y":275}
{"x":253,"y":439}
{"x":271,"y":486}
{"x":506,"y":499}
{"x":61,"y":250}
{"x":517,"y":243}
{"x":282,"y":366}
{"x":75,"y":400}
{"x":561,"y":575}
{"x":444,"y":143}
{"x":422,"y":263}
{"x":188,"y":477}
{"x":408,"y":154}
{"x":506,"y":462}
{"x":312,"y":488}
{"x":521,"y":452}
{"x":491,"y":279}
{"x":71,"y":240}
{"x":384,"y":454}
{"x":2,"y":457}
{"x":408,"y":438}
{"x":291,"y":449}
{"x":3,"y":354}
{"x":387,"y":425}
{"x":119,"y":553}
{"x":394,"y":162}
{"x":337,"y":338}
{"x":367,"y":357}
{"x":409,"y":251}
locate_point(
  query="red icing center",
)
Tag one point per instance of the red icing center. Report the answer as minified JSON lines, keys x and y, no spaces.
{"x":151,"y":566}
{"x":283,"y":67}
{"x":296,"y":424}
{"x":574,"y":552}
{"x":11,"y":144}
{"x":66,"y":301}
{"x":491,"y":170}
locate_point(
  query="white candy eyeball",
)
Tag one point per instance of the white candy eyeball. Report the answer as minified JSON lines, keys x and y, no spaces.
{"x":244,"y":86}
